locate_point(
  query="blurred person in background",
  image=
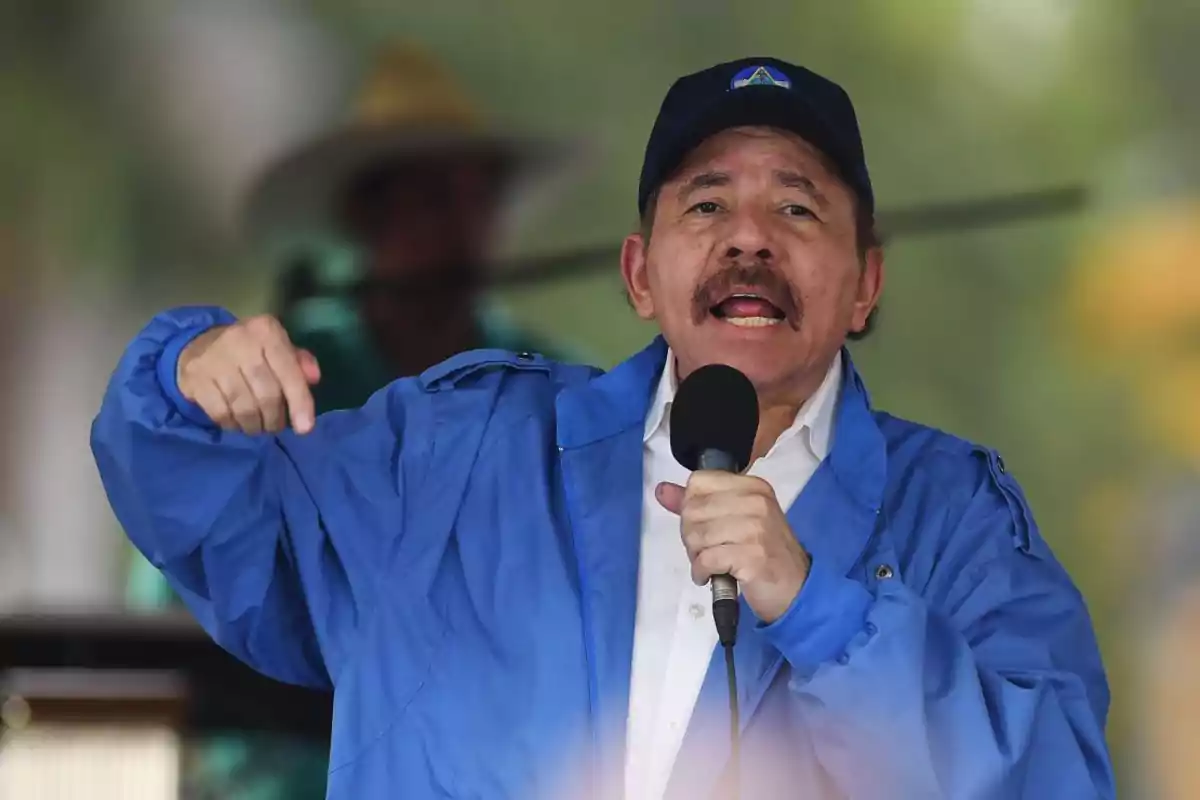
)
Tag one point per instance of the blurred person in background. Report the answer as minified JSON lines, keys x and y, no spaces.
{"x":1136,"y":297}
{"x":414,"y":190}
{"x":389,"y":224}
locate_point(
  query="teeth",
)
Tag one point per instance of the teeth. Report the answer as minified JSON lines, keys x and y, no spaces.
{"x":752,"y":322}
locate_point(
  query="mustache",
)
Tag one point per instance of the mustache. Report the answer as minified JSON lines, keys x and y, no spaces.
{"x":757,"y":277}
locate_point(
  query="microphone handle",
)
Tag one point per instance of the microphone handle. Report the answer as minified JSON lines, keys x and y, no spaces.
{"x":724,"y":587}
{"x":717,"y":460}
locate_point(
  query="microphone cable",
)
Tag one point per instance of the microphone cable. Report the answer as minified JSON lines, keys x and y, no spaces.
{"x":725,"y":615}
{"x":735,"y":738}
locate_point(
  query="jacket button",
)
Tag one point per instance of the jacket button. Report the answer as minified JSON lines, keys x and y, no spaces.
{"x":883,"y":572}
{"x":524,"y":356}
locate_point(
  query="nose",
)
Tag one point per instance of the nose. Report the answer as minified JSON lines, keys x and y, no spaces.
{"x":748,"y":235}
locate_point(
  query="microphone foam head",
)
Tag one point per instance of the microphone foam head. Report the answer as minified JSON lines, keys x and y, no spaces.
{"x":716,"y":408}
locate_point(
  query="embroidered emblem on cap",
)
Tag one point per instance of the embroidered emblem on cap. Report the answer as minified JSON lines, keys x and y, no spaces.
{"x":760,"y":76}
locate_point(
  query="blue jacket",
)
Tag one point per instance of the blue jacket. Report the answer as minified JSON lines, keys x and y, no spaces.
{"x":458,"y":561}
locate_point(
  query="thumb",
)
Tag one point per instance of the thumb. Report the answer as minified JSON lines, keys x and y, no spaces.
{"x":670,"y":496}
{"x":309,"y":366}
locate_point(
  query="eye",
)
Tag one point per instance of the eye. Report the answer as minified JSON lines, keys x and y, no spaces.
{"x":706,"y":207}
{"x":797,"y":210}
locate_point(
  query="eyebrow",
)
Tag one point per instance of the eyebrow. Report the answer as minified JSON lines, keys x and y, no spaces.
{"x":794,"y":180}
{"x":705,"y":180}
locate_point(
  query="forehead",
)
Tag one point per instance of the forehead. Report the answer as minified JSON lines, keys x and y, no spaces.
{"x":741,"y":149}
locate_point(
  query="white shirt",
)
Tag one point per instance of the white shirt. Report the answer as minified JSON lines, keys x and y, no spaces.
{"x":674,"y":634}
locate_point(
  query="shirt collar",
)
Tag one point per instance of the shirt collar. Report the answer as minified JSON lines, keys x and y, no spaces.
{"x":660,"y":406}
{"x":814,"y":420}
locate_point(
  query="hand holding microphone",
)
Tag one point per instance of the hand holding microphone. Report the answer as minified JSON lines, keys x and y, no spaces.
{"x":732,"y":524}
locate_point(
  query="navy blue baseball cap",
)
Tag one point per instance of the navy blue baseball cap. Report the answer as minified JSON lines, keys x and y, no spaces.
{"x":755,"y":91}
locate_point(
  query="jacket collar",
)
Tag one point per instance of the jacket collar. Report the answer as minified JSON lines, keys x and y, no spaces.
{"x":813,"y":424}
{"x":621,"y":398}
{"x":613,"y":401}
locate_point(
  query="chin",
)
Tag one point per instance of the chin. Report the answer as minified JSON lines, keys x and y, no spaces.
{"x":765,"y":375}
{"x":764,"y":360}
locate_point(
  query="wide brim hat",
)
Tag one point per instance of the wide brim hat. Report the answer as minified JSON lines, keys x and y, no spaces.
{"x":409,"y":107}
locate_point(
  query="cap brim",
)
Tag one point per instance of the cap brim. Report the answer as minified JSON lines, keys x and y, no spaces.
{"x":298,"y":195}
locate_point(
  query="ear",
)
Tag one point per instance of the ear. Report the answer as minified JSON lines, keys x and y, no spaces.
{"x":635,"y":272}
{"x":870,"y":286}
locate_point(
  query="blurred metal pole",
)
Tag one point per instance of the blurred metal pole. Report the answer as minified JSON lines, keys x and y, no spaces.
{"x":68,"y":345}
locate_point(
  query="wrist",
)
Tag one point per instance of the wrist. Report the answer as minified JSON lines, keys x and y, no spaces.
{"x":187,"y":345}
{"x":169,"y":373}
{"x":825,"y":615}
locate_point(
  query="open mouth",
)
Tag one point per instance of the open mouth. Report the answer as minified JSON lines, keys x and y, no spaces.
{"x":748,"y":310}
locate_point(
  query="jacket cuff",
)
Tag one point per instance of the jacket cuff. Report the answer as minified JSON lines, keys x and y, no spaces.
{"x":828,"y":612}
{"x":168,"y":370}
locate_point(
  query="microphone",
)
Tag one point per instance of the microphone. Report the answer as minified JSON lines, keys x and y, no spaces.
{"x":714,"y":420}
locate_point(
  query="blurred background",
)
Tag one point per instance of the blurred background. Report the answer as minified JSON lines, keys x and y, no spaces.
{"x":1036,"y":168}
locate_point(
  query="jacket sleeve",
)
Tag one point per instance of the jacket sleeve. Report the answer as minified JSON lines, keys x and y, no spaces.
{"x":273,"y":542}
{"x":997,"y":692}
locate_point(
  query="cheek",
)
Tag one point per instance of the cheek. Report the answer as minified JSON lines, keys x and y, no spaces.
{"x":675,"y":269}
{"x":827,"y":284}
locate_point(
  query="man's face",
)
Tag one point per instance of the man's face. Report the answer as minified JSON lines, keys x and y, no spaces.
{"x":752,"y":261}
{"x":422,"y":217}
{"x":425,"y":228}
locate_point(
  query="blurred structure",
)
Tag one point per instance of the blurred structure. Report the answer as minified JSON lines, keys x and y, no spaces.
{"x":214,"y":89}
{"x":103,"y":736}
{"x":198,"y":91}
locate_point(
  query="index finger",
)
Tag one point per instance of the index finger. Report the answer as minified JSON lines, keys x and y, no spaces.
{"x":709,"y":481}
{"x":285,"y":363}
{"x":706,"y":481}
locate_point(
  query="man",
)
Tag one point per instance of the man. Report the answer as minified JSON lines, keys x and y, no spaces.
{"x":395,"y":214}
{"x":499,"y":568}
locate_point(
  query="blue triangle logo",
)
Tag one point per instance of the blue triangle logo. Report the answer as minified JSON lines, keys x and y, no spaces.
{"x":760,"y":76}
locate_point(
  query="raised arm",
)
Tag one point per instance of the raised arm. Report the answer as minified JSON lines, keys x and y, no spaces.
{"x":246,"y":518}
